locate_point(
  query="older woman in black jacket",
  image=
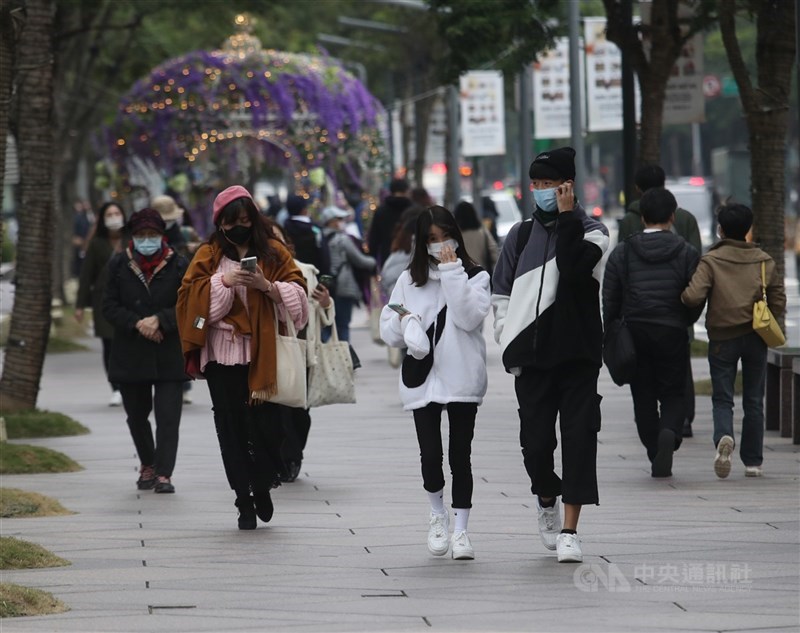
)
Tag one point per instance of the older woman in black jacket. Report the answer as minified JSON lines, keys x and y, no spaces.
{"x":146,"y":358}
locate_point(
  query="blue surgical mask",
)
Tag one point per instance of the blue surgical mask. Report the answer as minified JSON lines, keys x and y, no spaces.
{"x":435,"y":249}
{"x":546,"y":199}
{"x":147,"y":246}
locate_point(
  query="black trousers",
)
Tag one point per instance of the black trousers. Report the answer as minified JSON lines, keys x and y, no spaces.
{"x":107,"y":360}
{"x":428,"y":421}
{"x":249,"y":436}
{"x":296,"y":425}
{"x":568,"y":392}
{"x":662,"y":357}
{"x":166,"y":400}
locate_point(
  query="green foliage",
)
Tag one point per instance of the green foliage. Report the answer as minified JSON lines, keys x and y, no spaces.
{"x":41,"y":423}
{"x":22,"y":459}
{"x":699,"y":348}
{"x":504,"y":33}
{"x":17,"y":554}
{"x":20,"y":503}
{"x":8,"y":249}
{"x":16,"y":601}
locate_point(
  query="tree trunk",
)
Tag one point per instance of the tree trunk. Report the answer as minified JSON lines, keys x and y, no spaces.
{"x":766,"y":110}
{"x":30,"y":318}
{"x":422,"y":118}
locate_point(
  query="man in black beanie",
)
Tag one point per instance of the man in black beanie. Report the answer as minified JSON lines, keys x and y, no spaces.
{"x":547,"y":321}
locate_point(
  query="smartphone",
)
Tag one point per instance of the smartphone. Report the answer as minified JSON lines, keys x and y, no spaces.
{"x":326,"y":280}
{"x":248,"y":264}
{"x":402,"y":311}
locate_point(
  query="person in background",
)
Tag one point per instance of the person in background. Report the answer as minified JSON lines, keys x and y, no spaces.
{"x":647,"y":177}
{"x":547,"y":322}
{"x":226,"y":317}
{"x":173,"y":215}
{"x":108,"y":238}
{"x":346,"y":257}
{"x":477,"y":238}
{"x":644,"y":278}
{"x":386,"y":218}
{"x":309,"y":244}
{"x":446,"y":298}
{"x":81,"y":227}
{"x":489,"y":215}
{"x":729,"y":278}
{"x":297,"y":421}
{"x":421,"y":198}
{"x":402,"y":249}
{"x":146,"y":359}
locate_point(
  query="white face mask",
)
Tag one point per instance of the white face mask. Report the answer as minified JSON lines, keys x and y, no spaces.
{"x":114,"y":223}
{"x":435,"y":249}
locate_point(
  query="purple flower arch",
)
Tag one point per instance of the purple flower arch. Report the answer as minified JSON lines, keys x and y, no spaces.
{"x":305,"y":111}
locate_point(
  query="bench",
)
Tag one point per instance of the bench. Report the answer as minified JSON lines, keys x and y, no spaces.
{"x":779,"y":391}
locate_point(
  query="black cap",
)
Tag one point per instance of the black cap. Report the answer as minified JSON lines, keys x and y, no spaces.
{"x":554,"y":164}
{"x":296,"y":204}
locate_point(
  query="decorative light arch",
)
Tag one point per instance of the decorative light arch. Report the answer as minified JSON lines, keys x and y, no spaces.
{"x":303,"y":111}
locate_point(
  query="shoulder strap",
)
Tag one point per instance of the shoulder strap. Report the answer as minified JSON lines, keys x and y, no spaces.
{"x":764,"y":281}
{"x":523,"y":235}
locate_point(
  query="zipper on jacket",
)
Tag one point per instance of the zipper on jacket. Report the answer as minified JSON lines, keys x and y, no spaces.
{"x":539,"y":298}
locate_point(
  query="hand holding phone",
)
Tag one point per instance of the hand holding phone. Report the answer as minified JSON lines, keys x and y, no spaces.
{"x":326,"y":280}
{"x":401,"y":310}
{"x":249,"y":264}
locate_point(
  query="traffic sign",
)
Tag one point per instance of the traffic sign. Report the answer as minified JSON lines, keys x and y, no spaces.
{"x":712,"y":87}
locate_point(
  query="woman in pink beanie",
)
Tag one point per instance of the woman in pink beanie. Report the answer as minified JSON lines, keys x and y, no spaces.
{"x":226,"y":321}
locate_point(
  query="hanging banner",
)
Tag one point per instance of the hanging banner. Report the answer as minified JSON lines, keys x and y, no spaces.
{"x":684,"y":101}
{"x":603,"y":78}
{"x":483,"y":125}
{"x":551,"y":93}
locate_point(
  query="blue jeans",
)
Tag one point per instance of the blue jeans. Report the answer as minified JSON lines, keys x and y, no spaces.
{"x":344,"y":312}
{"x":723,"y":357}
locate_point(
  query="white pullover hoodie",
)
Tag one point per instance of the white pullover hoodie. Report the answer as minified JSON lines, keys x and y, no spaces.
{"x":458,"y":373}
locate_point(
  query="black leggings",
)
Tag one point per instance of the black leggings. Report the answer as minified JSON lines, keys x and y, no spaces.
{"x":249,"y":436}
{"x":428,"y":421}
{"x":107,"y":360}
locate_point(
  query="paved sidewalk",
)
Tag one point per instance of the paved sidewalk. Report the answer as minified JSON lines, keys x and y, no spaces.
{"x":346,"y":549}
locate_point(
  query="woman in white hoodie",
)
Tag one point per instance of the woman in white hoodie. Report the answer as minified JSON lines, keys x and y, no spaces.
{"x":440,"y":303}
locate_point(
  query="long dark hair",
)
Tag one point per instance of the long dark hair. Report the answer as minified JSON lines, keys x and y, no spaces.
{"x":466,"y":216}
{"x":420,"y":260}
{"x":100,"y":228}
{"x":259,"y":238}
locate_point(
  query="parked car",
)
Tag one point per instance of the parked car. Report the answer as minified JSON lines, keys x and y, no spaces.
{"x":695,"y":195}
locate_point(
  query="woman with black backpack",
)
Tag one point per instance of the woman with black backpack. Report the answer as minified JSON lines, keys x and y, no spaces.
{"x":436,"y":310}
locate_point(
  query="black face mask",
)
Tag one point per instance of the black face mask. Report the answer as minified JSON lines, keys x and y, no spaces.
{"x":238,"y":235}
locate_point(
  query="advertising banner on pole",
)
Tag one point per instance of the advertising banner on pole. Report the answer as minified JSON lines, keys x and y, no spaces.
{"x":483,"y":124}
{"x":551,"y":93}
{"x":603,"y":78}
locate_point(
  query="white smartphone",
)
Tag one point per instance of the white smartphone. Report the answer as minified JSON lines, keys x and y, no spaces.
{"x":249,"y":264}
{"x":401,"y":310}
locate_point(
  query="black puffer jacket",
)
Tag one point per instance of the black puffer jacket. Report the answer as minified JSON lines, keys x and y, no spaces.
{"x":647,"y":287}
{"x":128,"y":299}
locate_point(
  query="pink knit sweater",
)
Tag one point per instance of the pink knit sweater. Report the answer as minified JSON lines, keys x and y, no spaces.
{"x":225,"y":347}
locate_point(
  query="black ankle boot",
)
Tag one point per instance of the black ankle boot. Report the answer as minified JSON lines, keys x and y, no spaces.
{"x":264,"y":508}
{"x":247,"y":513}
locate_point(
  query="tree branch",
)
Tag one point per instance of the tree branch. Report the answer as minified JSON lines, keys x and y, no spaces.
{"x":727,"y":28}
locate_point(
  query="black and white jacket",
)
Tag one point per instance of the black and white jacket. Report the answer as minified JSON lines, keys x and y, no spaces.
{"x":546,"y":297}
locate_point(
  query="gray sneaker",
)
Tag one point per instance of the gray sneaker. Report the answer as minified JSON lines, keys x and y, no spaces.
{"x":722,"y":460}
{"x":549,"y":523}
{"x":438,"y":537}
{"x":462,"y":547}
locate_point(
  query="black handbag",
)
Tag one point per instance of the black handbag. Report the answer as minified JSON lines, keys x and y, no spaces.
{"x":619,"y":352}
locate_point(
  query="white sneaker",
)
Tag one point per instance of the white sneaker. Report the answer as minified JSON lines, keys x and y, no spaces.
{"x":722,"y":460}
{"x":116,"y":399}
{"x":187,"y":399}
{"x":462,"y":548}
{"x":569,"y":548}
{"x":549,"y":523}
{"x":753,"y":471}
{"x":438,"y":540}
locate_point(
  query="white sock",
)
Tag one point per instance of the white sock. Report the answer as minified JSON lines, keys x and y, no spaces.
{"x":437,"y":501}
{"x":462,"y":518}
